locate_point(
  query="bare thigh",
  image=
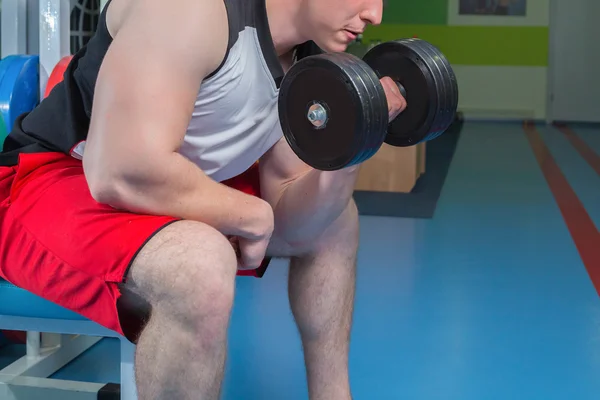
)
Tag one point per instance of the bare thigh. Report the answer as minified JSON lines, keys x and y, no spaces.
{"x":178,"y":270}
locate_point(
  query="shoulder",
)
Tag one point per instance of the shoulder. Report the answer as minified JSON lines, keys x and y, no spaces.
{"x":193,"y":31}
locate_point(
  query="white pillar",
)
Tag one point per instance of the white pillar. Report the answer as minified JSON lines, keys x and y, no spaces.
{"x":54,"y":36}
{"x":14,"y":27}
{"x":33,"y":26}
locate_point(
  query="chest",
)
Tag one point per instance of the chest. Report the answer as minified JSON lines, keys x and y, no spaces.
{"x":235,"y":118}
{"x":243,"y":91}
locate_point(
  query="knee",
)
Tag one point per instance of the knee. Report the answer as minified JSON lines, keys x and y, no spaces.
{"x":203,"y":278}
{"x":341,"y":235}
{"x":344,"y":230}
{"x":184,"y":276}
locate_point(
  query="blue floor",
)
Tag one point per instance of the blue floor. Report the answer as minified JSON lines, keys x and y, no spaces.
{"x":489,"y":299}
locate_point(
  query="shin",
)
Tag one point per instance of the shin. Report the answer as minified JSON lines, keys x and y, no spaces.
{"x":321,"y":291}
{"x":185,"y":275}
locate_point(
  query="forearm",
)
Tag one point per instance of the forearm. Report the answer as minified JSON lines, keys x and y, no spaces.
{"x":171,"y":185}
{"x":312,"y":202}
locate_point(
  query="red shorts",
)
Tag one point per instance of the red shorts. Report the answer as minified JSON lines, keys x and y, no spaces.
{"x":62,"y":245}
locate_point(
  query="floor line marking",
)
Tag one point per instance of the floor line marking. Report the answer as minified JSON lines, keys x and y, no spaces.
{"x":581,"y":227}
{"x":586,"y":152}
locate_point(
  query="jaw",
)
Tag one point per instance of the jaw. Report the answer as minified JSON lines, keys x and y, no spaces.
{"x":337,"y":42}
{"x":285,"y":20}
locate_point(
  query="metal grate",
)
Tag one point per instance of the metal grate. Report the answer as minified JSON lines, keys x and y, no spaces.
{"x":84,"y":20}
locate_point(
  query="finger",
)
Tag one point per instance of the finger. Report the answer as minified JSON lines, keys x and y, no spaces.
{"x":391,"y":95}
{"x":252,"y":256}
{"x":396,"y":102}
{"x":390,"y":88}
{"x":397,"y":105}
{"x":243,"y":267}
{"x":403,"y":103}
{"x":248,"y":263}
{"x":235,"y":244}
{"x":244,"y":263}
{"x":393,"y":87}
{"x":400,"y":101}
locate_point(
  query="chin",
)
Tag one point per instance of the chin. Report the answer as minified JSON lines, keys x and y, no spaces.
{"x":340,"y":48}
{"x":333,"y":47}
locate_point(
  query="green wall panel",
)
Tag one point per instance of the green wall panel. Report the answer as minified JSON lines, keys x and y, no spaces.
{"x":475,"y":45}
{"x":431,"y":12}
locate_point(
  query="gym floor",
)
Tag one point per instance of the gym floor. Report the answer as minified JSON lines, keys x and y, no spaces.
{"x":494,"y":296}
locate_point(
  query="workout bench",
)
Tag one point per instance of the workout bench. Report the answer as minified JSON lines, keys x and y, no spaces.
{"x":55,"y":337}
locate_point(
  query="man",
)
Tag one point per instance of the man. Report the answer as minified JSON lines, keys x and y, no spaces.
{"x":123,"y":191}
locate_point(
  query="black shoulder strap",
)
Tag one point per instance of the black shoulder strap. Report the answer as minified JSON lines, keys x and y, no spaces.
{"x":307,"y":49}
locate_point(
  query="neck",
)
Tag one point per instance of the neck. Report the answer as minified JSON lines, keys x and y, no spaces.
{"x":282,"y":15}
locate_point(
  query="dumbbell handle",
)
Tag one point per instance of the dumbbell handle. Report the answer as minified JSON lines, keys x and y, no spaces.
{"x":317,"y":114}
{"x":402,"y":89}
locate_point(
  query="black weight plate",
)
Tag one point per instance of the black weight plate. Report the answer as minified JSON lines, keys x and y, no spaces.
{"x":452,"y":84}
{"x":377,"y":122}
{"x":406,"y":66}
{"x":342,"y":84}
{"x":430,"y":85}
{"x":429,"y":52}
{"x":447,"y":85}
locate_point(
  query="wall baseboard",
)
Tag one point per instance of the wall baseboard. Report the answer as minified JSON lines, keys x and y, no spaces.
{"x":474,"y":114}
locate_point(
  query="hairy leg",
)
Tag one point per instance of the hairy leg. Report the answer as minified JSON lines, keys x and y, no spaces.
{"x":321,"y":290}
{"x":185,"y":275}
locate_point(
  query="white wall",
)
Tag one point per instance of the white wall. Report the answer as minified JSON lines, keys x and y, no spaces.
{"x":575,"y":61}
{"x":502,"y":92}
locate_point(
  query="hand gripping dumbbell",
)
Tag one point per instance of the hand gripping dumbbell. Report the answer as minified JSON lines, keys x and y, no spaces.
{"x":333,"y":109}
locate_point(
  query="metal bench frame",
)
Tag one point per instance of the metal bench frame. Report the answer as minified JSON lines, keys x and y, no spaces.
{"x":60,"y":342}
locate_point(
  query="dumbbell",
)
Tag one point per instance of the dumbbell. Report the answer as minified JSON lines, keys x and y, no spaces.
{"x":333,"y":108}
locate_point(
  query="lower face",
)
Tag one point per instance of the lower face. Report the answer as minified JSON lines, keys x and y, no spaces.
{"x":336,"y":41}
{"x":327,"y":20}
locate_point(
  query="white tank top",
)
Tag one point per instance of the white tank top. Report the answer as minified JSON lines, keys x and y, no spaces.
{"x":235,"y":119}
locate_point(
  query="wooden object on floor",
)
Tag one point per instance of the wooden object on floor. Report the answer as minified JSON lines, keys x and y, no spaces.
{"x":392,"y":169}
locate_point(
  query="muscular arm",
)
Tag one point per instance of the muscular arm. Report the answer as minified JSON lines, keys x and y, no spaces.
{"x":143,"y":102}
{"x":305,"y":201}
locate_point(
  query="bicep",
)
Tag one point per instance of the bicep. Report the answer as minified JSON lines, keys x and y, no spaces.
{"x":279,"y":167}
{"x":150,"y":76}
